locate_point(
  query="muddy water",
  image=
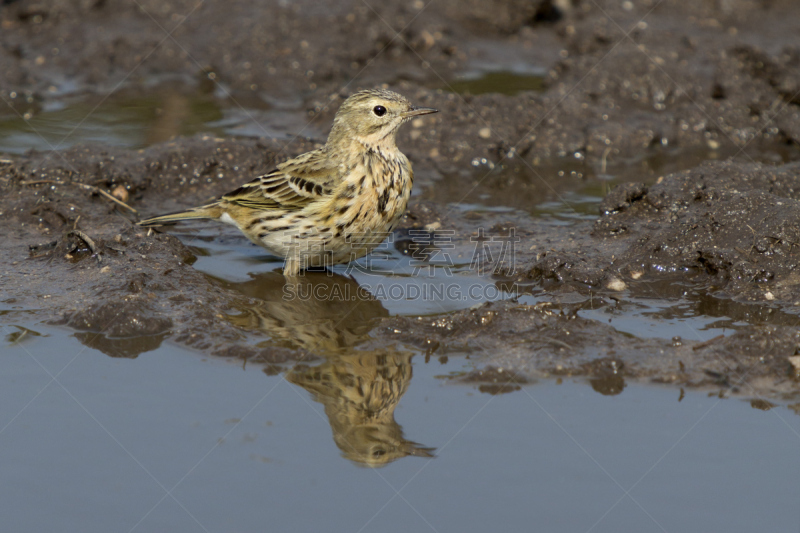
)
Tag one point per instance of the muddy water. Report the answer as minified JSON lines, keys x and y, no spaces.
{"x":188,"y":442}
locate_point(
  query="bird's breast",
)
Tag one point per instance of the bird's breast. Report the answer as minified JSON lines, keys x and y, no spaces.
{"x":372,"y":196}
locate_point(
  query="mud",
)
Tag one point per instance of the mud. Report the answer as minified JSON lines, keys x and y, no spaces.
{"x":623,"y":83}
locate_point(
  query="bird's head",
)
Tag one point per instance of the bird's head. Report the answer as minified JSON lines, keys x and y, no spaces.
{"x":372,"y":118}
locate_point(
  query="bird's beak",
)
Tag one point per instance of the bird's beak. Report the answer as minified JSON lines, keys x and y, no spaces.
{"x":414,"y":111}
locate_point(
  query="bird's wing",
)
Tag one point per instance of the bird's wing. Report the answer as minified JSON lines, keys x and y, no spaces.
{"x":293,"y":185}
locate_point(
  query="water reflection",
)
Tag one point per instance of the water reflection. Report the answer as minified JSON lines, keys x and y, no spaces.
{"x":325,"y":315}
{"x":329,"y":316}
{"x":127,"y":118}
{"x":608,"y":385}
{"x":500,"y":82}
{"x":360,"y":392}
{"x":571,"y":188}
{"x":123,"y":347}
{"x":134,"y":118}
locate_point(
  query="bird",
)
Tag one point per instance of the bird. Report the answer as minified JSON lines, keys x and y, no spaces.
{"x":331,"y":205}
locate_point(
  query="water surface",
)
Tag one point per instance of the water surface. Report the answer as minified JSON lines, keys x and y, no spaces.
{"x":172,"y":441}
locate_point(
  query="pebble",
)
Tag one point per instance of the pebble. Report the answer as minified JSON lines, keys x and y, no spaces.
{"x":795,"y":361}
{"x":433,"y":226}
{"x":120,"y":193}
{"x":616,"y":284}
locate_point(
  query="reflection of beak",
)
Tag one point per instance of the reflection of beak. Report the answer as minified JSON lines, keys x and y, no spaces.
{"x":419,"y":451}
{"x":414,"y":111}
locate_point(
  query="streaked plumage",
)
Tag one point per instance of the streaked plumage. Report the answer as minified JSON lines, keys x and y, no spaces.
{"x":331,"y":205}
{"x":333,"y":322}
{"x":360,"y":388}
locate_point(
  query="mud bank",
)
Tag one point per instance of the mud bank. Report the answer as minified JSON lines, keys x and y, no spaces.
{"x":76,"y":258}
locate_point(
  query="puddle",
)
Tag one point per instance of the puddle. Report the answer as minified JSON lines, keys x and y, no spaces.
{"x":691,"y":317}
{"x":103,"y":444}
{"x":393,"y":280}
{"x":501,"y":82}
{"x":567,"y":190}
{"x":133,"y":119}
{"x":333,"y":313}
{"x":674,"y":309}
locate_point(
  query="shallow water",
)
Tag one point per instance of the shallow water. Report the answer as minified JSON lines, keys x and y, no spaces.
{"x":569,"y":189}
{"x":393,"y":283}
{"x":160,"y":438}
{"x":136,"y":119}
{"x":172,"y":441}
{"x":402,"y":284}
{"x":500,"y":82}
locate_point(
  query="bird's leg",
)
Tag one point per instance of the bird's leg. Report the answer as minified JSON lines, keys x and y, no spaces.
{"x":291,"y":268}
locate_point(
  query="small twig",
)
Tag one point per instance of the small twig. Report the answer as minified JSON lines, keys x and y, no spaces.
{"x":84,"y":186}
{"x":116,"y":250}
{"x":604,"y":160}
{"x":110,"y":197}
{"x":708,"y":342}
{"x":85,"y":238}
{"x":20,"y":337}
{"x":51,"y":244}
{"x":41,"y":250}
{"x":39,"y":182}
{"x":558,"y":342}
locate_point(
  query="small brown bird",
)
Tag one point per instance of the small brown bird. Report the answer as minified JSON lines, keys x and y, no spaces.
{"x":330,"y":205}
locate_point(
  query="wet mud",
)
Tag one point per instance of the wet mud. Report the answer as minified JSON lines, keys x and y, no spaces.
{"x":712,"y":88}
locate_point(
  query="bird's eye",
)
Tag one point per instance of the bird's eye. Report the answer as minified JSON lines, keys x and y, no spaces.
{"x":379,"y":110}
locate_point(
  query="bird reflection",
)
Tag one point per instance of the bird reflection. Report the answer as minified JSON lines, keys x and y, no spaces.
{"x":329,"y":316}
{"x":322,"y":314}
{"x":360,"y":392}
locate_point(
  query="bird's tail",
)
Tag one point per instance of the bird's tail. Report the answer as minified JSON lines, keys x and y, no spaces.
{"x":210,"y":211}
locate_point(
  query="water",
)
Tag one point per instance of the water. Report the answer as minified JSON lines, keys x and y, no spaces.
{"x":569,"y":190}
{"x":391,"y":283}
{"x":173,"y":441}
{"x":136,"y":119}
{"x":161,"y":438}
{"x":437,"y":282}
{"x":500,"y":82}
